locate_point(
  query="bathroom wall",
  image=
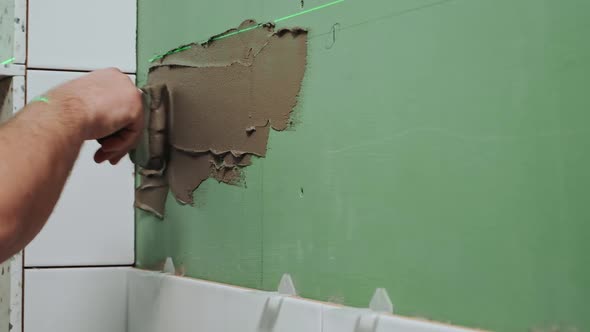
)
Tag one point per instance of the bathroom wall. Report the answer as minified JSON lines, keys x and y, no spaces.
{"x":440,"y":150}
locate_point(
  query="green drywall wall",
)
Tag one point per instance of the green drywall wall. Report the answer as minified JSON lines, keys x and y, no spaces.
{"x":442,"y":151}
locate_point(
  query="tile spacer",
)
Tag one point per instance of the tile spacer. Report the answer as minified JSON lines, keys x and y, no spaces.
{"x":286,"y":286}
{"x":169,"y":266}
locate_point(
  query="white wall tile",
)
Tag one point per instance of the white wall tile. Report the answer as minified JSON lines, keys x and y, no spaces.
{"x":297,"y":315}
{"x":92,"y":223}
{"x":73,"y":300}
{"x":161,"y":303}
{"x":82,"y":34}
{"x":248,"y":308}
{"x":341,"y":319}
{"x":402,"y":324}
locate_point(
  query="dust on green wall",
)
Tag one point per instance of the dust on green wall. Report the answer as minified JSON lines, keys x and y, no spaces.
{"x":442,"y":151}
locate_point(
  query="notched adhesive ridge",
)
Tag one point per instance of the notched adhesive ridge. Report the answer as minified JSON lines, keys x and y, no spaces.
{"x":224,"y":96}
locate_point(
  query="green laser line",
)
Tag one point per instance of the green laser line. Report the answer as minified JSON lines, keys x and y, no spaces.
{"x":41,"y":99}
{"x":237,"y":32}
{"x":183,"y":48}
{"x":5,"y":62}
{"x":176,"y":50}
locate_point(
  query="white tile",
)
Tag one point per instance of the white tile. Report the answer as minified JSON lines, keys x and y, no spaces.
{"x":73,"y":300}
{"x":389,"y":323}
{"x":160,"y":303}
{"x":248,"y":309}
{"x":296,"y":315}
{"x":92,"y":223}
{"x":82,"y":34}
{"x":39,"y":81}
{"x":341,"y":319}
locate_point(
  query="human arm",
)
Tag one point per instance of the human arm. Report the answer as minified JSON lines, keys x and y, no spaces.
{"x":39,"y":147}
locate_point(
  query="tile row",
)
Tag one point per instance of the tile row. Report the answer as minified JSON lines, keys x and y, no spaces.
{"x":132,"y":300}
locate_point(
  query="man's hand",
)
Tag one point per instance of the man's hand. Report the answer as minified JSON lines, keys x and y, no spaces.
{"x":108,"y":107}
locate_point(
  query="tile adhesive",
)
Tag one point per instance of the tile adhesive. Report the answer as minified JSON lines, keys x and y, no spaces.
{"x":213,"y":106}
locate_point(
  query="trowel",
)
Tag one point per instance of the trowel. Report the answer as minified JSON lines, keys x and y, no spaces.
{"x":151,"y":151}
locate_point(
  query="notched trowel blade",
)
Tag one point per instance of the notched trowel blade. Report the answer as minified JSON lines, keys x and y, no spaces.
{"x":151,"y":151}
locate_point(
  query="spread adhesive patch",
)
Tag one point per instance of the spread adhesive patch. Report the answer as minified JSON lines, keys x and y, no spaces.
{"x":223,"y":98}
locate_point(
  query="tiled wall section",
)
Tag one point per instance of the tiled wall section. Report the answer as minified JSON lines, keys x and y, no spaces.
{"x":158,"y":303}
{"x":91,"y":229}
{"x":92,"y":224}
{"x":132,"y":300}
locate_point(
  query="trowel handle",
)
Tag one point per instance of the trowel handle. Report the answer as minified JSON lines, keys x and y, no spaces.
{"x":151,"y":151}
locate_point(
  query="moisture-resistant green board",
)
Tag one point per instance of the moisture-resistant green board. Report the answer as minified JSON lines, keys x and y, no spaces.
{"x":442,"y":151}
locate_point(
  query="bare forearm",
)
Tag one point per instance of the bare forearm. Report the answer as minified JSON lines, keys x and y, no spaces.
{"x":38,"y":148}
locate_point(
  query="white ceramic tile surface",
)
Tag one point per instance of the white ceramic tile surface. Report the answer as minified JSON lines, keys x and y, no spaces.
{"x":74,"y":300}
{"x":392,"y":324}
{"x":161,"y":303}
{"x":82,"y":34}
{"x":92,"y":223}
{"x":336,"y":319}
{"x":297,"y":315}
